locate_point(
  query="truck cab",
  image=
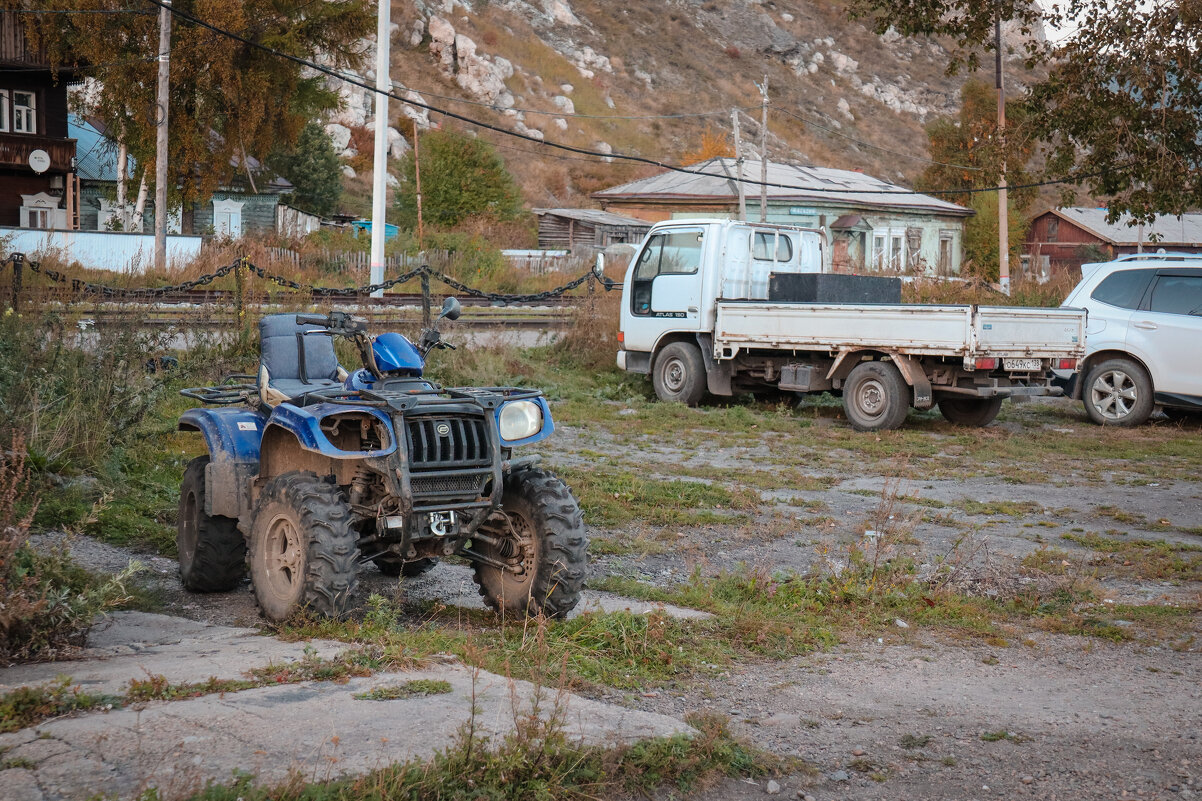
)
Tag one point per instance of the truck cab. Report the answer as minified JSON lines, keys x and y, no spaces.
{"x":671,"y":287}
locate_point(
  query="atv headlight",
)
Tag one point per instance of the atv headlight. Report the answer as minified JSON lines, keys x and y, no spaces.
{"x":519,"y":420}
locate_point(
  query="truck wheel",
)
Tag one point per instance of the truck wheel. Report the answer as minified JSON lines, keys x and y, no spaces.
{"x":538,"y":533}
{"x":970,"y":411}
{"x":212,"y":552}
{"x":391,"y":566}
{"x":1118,"y":392}
{"x":679,"y":374}
{"x":303,"y":553}
{"x":876,"y":397}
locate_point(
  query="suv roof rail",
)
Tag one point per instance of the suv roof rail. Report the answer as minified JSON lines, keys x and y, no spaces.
{"x":1160,"y":257}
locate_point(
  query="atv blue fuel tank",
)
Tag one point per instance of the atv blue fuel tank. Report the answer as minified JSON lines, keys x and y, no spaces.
{"x":395,"y":354}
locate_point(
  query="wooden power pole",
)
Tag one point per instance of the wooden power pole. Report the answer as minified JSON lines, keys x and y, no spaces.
{"x":1003,"y":207}
{"x":764,"y":151}
{"x":160,"y":159}
{"x":734,"y":118}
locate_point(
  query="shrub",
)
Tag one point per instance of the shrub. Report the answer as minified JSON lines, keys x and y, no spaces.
{"x":47,"y":603}
{"x":461,"y":176}
{"x":733,"y":52}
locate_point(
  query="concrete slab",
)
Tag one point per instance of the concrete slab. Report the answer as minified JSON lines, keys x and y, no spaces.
{"x":134,"y":645}
{"x":314,"y":730}
{"x":606,"y":602}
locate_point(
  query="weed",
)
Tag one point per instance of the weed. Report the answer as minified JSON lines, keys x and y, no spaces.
{"x":1002,"y":734}
{"x":26,"y":706}
{"x":913,"y":742}
{"x":416,"y":688}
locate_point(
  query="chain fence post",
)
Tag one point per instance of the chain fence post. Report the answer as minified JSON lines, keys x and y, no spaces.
{"x":425,"y":296}
{"x":18,"y":260}
{"x":240,"y":301}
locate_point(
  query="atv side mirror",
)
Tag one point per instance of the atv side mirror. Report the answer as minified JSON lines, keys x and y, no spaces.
{"x":451,"y":309}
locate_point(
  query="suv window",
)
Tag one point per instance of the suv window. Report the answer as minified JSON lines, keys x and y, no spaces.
{"x":1177,"y":294}
{"x":1124,"y":288}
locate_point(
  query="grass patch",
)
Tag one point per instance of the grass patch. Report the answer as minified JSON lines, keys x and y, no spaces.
{"x":536,"y":761}
{"x":612,"y":497}
{"x":1154,"y":559}
{"x":26,"y":706}
{"x":417,"y":688}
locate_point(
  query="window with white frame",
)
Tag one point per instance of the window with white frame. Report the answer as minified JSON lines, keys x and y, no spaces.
{"x":39,"y":218}
{"x":3,"y":110}
{"x":25,"y":113}
{"x":889,"y":249}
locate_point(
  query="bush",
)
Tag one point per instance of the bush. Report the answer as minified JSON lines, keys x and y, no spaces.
{"x":47,"y":604}
{"x":461,"y":176}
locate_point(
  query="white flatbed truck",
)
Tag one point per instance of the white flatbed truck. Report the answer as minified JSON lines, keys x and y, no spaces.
{"x":696,"y":317}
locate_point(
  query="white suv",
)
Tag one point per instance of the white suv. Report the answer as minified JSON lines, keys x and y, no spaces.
{"x":1143,"y":340}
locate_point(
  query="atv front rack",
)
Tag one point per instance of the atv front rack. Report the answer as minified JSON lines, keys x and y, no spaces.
{"x":404,"y":400}
{"x":232,"y":389}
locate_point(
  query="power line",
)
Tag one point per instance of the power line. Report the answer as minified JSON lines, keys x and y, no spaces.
{"x":812,"y":124}
{"x":585,"y":151}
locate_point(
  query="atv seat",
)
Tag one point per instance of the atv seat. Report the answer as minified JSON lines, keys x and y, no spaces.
{"x":294,"y":361}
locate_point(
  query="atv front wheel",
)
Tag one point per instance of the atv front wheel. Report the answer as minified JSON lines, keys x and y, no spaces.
{"x":303,"y":553}
{"x":538,"y":535}
{"x":212,"y":552}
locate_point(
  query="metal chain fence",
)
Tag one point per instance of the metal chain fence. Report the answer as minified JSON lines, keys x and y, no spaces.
{"x":17,"y":260}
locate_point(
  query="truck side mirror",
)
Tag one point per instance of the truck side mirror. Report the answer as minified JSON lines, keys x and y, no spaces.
{"x":451,"y":309}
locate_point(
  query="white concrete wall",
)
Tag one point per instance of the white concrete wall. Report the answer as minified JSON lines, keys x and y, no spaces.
{"x":101,"y":250}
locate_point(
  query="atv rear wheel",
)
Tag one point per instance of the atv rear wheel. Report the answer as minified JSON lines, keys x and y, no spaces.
{"x":303,"y":553}
{"x":392,"y":566}
{"x":538,"y":533}
{"x":212,"y":552}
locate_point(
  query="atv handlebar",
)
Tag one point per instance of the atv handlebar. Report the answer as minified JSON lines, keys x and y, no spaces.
{"x":336,"y":322}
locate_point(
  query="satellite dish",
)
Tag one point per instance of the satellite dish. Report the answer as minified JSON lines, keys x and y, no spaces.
{"x":39,"y":160}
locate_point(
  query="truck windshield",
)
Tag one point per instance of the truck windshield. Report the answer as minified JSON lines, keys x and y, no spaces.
{"x":678,"y":253}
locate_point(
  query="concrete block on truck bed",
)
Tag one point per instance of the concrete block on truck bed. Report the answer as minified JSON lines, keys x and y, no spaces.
{"x":833,"y":288}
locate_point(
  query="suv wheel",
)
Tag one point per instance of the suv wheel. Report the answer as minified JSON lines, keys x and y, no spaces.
{"x":1118,"y":392}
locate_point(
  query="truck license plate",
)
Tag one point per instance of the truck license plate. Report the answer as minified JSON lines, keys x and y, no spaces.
{"x":1019,"y":365}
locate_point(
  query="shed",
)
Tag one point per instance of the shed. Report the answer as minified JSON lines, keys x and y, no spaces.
{"x":1064,"y":239}
{"x":593,"y":228}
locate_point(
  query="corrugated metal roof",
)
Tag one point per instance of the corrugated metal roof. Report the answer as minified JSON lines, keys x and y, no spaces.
{"x":1165,"y":230}
{"x":595,"y":216}
{"x":809,"y":184}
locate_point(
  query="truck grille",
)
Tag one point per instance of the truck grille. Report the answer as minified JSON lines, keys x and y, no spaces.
{"x":447,"y":442}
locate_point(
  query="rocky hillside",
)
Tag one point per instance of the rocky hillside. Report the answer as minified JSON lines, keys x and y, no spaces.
{"x":609,"y":76}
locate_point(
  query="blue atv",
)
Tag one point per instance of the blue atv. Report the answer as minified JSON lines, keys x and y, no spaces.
{"x":313,"y":471}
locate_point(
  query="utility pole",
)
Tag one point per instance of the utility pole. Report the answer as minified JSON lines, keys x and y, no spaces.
{"x":379,"y":226}
{"x":160,"y":159}
{"x":1003,"y":208}
{"x":734,"y":118}
{"x":417,"y":179}
{"x":764,"y":151}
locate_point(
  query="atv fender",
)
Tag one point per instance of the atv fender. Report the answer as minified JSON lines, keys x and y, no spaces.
{"x":304,"y":423}
{"x":232,"y":437}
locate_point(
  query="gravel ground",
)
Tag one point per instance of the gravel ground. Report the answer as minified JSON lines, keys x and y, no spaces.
{"x":913,"y":715}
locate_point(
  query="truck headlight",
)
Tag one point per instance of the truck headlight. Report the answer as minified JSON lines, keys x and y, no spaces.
{"x":519,"y":420}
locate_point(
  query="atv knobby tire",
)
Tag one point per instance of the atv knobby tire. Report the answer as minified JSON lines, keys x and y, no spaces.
{"x":392,"y":566}
{"x":303,"y":552}
{"x":541,"y":534}
{"x":212,"y":551}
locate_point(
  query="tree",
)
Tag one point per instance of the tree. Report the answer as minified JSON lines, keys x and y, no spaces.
{"x":969,"y":23}
{"x":462,"y":176}
{"x":714,"y":144}
{"x":970,"y":157}
{"x":229,"y":101}
{"x":1121,"y":109}
{"x":312,"y":167}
